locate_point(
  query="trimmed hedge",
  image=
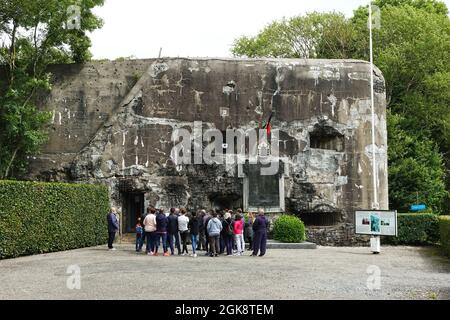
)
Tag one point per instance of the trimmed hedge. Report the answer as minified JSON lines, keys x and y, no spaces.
{"x":45,"y":217}
{"x":416,"y":229}
{"x":289,"y":228}
{"x":444,"y":229}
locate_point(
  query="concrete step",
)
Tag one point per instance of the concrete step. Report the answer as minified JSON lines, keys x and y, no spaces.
{"x":273,"y":244}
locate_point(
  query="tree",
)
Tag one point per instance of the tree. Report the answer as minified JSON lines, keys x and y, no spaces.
{"x":412,"y":49}
{"x":415,"y":168}
{"x":37,"y":33}
{"x":324,"y":35}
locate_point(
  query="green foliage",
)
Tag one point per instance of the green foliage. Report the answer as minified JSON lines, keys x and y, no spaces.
{"x":412,"y":49}
{"x":289,"y":228}
{"x":444,"y":229}
{"x":415,"y":168}
{"x":315,"y":35}
{"x":38,"y":36}
{"x":416,"y":229}
{"x":46,"y":217}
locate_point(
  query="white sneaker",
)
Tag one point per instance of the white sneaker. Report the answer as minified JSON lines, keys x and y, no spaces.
{"x":112,"y":249}
{"x":195,"y":255}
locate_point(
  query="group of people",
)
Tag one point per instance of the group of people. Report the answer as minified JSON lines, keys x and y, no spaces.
{"x":225,"y":232}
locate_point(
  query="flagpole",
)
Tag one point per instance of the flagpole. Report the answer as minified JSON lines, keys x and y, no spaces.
{"x":375,"y":240}
{"x":375,"y":204}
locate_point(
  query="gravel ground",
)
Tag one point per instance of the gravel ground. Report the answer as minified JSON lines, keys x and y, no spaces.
{"x":324,"y":273}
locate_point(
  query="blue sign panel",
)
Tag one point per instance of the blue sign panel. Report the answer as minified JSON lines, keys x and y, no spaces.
{"x":417,"y":207}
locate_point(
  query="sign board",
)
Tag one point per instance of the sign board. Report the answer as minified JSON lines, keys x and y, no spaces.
{"x":417,"y":207}
{"x":376,"y":222}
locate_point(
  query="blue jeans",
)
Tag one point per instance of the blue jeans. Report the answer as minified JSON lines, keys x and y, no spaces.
{"x":228,"y":244}
{"x":139,"y":241}
{"x":142,"y":241}
{"x":170,"y":238}
{"x":150,"y":247}
{"x":158,"y":236}
{"x":194,"y":240}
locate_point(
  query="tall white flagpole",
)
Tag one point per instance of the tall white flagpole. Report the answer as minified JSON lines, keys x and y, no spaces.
{"x":375,"y":204}
{"x":375,"y":240}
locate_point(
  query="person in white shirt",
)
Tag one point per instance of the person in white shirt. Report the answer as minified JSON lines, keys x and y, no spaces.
{"x":150,"y":228}
{"x":183,"y":222}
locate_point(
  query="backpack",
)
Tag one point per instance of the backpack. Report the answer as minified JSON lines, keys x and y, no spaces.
{"x":230,"y":230}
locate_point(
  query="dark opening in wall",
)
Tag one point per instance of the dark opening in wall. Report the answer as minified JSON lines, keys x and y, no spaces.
{"x":221,"y":201}
{"x":133,"y":208}
{"x":320,"y":218}
{"x":327,"y":138}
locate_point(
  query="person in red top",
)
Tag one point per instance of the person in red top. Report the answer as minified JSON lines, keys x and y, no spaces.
{"x":238,"y":230}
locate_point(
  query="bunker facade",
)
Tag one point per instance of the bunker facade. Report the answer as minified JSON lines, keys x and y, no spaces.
{"x":114,"y":122}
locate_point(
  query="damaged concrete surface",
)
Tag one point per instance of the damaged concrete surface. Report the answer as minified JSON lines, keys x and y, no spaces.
{"x":113,"y":122}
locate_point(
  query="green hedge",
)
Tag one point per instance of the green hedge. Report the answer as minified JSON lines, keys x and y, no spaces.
{"x":289,"y":228}
{"x":416,"y":229}
{"x":44,"y":217}
{"x":444,"y":229}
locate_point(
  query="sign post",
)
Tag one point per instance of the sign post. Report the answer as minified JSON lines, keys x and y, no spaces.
{"x":376,"y":223}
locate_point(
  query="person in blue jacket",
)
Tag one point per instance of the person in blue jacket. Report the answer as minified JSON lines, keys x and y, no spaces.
{"x":139,"y":235}
{"x":113,"y":227}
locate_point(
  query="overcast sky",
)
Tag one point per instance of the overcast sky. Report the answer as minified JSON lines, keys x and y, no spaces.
{"x":193,"y":28}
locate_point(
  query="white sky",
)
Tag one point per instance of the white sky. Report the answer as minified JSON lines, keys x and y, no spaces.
{"x":193,"y":28}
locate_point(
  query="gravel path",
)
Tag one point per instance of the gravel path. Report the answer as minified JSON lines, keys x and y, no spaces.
{"x":324,"y":273}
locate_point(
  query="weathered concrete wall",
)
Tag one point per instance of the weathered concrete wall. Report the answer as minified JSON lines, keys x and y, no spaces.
{"x":113,"y":123}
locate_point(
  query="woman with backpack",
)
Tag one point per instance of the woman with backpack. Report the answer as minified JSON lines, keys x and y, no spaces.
{"x":228,"y":233}
{"x":249,"y":230}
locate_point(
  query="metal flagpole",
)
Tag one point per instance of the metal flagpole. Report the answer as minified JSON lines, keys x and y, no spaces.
{"x":374,"y":166}
{"x":375,"y":240}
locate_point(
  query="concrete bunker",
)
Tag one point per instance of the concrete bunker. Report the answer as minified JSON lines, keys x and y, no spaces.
{"x":116,"y":132}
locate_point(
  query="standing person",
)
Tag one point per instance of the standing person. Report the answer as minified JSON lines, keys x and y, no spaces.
{"x":222,"y":233}
{"x":172,"y":230}
{"x":193,"y":226}
{"x":260,"y":226}
{"x":144,"y":214}
{"x":161,"y":231}
{"x":139,"y":235}
{"x":249,"y":230}
{"x":183,"y":228}
{"x":238,"y":230}
{"x":201,"y":230}
{"x":214,"y":228}
{"x":150,"y":228}
{"x":206,"y":219}
{"x":227,"y":232}
{"x":238,"y":212}
{"x":113,"y":227}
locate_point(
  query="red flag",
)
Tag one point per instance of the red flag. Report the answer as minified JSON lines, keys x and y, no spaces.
{"x":268,"y":126}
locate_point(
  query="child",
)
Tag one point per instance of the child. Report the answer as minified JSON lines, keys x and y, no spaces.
{"x":139,"y":235}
